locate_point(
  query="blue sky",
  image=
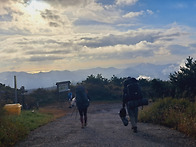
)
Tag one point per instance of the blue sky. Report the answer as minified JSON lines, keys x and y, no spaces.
{"x":45,"y":35}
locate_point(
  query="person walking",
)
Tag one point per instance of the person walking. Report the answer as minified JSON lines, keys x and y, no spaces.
{"x":69,"y":98}
{"x":82,"y":103}
{"x":131,"y":92}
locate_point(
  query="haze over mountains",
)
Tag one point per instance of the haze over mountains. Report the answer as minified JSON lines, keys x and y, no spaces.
{"x":49,"y":79}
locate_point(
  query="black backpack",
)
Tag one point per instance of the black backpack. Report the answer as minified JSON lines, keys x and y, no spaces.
{"x":132,"y":89}
{"x":82,"y":100}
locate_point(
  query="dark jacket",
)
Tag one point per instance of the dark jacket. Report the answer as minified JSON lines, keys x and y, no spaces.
{"x":132,"y":93}
{"x":82,"y":100}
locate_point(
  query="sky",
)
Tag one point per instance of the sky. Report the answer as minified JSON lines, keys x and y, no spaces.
{"x":44,"y":35}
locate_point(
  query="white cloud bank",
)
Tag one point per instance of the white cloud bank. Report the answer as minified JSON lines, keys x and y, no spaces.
{"x":76,"y":34}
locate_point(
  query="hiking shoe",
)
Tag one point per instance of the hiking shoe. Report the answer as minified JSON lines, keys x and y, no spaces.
{"x":134,"y":129}
{"x":82,"y":126}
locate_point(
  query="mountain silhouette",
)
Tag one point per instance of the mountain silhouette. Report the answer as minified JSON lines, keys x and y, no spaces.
{"x":49,"y":79}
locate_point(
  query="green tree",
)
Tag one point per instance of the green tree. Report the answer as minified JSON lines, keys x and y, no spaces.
{"x":96,"y":80}
{"x":116,"y":81}
{"x":6,"y":94}
{"x":184,"y":80}
{"x":146,"y":88}
{"x":100,"y":88}
{"x":159,"y":88}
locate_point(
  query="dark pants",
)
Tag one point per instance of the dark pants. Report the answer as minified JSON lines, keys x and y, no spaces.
{"x":133,"y":115}
{"x":83,"y":115}
{"x":83,"y":112}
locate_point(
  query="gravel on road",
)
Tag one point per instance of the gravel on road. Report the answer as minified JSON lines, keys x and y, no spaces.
{"x":104,"y":129}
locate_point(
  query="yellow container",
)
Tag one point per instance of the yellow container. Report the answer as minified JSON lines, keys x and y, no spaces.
{"x":13,"y":108}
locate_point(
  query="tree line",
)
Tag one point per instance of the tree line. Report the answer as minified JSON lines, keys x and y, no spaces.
{"x":181,"y":84}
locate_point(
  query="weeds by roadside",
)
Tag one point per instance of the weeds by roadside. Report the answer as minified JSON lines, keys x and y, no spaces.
{"x":179,"y":114}
{"x":14,"y":128}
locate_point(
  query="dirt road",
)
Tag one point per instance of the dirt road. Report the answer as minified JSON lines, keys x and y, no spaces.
{"x":104,"y":129}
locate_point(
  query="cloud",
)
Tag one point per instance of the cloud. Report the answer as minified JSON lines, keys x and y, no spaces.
{"x":44,"y":58}
{"x":180,"y":50}
{"x":143,"y":77}
{"x":172,"y":68}
{"x":193,"y":46}
{"x":133,"y":14}
{"x":54,"y":24}
{"x":137,"y":14}
{"x":68,"y":3}
{"x":117,"y":45}
{"x":180,"y":6}
{"x":126,"y":2}
{"x":72,"y":32}
{"x":59,"y":15}
{"x":50,"y":15}
{"x":48,"y":52}
{"x":149,"y":12}
{"x":22,"y":18}
{"x":97,"y":13}
{"x":131,"y":38}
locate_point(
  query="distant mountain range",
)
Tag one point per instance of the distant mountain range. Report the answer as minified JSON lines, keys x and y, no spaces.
{"x":49,"y":79}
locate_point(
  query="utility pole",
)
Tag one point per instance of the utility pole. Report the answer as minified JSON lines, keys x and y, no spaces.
{"x":15,"y":87}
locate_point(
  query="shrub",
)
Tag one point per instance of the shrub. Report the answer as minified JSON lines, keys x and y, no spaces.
{"x":14,"y":128}
{"x":10,"y":132}
{"x":175,"y":113}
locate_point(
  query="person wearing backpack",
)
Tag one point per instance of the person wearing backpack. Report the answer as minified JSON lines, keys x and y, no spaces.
{"x":82,"y":103}
{"x":131,"y":93}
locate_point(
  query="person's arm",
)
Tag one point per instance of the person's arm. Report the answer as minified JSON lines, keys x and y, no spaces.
{"x":88,"y":97}
{"x":124,"y":98}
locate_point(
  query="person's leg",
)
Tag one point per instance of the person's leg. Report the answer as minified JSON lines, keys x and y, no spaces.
{"x":132,"y":117}
{"x":81,"y":117}
{"x":131,"y":112}
{"x":85,"y":117}
{"x":136,"y":118}
{"x":136,"y":114}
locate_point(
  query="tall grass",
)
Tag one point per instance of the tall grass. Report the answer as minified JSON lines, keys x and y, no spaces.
{"x":14,"y":128}
{"x":175,"y":113}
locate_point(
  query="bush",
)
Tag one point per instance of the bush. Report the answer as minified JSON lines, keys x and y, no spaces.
{"x":179,"y":114}
{"x":14,"y":128}
{"x":1,"y":112}
{"x":11,"y":132}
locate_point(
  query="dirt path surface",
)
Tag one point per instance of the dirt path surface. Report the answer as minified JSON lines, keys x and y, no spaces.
{"x":104,"y":129}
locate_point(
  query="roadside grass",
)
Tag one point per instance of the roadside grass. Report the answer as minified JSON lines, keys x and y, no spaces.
{"x":179,"y":114}
{"x":56,"y":110}
{"x":14,"y":128}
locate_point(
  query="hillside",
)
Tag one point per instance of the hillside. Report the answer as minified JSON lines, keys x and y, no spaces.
{"x":49,"y":79}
